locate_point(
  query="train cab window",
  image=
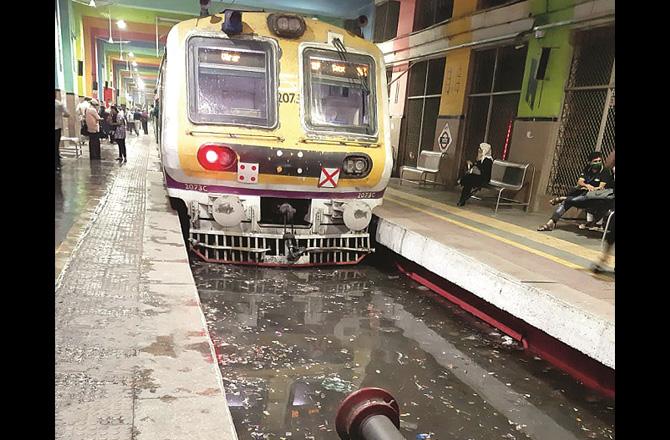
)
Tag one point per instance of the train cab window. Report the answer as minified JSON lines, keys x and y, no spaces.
{"x":231,"y":82}
{"x":339,"y":94}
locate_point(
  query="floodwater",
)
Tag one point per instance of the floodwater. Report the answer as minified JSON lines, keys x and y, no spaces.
{"x":79,"y":185}
{"x":291,"y":344}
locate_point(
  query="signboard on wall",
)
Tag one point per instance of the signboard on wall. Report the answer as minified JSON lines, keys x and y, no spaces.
{"x":445,"y":139}
{"x":107,"y":93}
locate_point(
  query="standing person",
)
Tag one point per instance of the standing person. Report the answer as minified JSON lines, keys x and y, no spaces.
{"x":108,"y":123}
{"x":93,"y":126}
{"x":61,"y":112}
{"x":83,"y":105}
{"x":145,"y":121}
{"x":131,"y":122}
{"x":119,"y":124}
{"x":137,"y":116}
{"x":109,"y":119}
{"x":478,"y":174}
{"x":102,"y":129}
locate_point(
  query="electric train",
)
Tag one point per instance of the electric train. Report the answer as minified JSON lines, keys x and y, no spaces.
{"x":274,"y":133}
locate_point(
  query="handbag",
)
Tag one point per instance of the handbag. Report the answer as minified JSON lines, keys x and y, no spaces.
{"x":474,"y":169}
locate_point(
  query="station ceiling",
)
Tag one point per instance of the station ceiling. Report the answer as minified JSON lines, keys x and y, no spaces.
{"x":147,"y":22}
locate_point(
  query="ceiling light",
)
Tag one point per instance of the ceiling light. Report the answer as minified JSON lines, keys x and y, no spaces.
{"x":121,"y":24}
{"x":92,"y":3}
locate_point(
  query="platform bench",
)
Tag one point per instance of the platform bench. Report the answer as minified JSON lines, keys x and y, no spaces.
{"x":508,"y":176}
{"x":73,"y":145}
{"x":428,"y":164}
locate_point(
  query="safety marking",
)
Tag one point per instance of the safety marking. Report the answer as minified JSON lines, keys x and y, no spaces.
{"x":489,"y":234}
{"x":541,"y":238}
{"x":329,"y":177}
{"x":247,"y":172}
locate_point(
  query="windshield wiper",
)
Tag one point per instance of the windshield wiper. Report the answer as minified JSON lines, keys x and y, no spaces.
{"x":342,"y":52}
{"x":235,"y":135}
{"x":311,"y":140}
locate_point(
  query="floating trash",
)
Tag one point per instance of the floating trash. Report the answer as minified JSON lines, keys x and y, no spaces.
{"x":336,"y":383}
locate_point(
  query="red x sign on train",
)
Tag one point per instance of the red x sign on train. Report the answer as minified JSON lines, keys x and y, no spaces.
{"x":329,"y":177}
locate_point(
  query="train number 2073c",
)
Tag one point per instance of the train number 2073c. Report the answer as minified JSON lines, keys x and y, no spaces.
{"x":195,"y":187}
{"x":288,"y":97}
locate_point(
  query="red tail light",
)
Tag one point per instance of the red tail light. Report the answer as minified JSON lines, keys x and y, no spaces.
{"x":217,"y":157}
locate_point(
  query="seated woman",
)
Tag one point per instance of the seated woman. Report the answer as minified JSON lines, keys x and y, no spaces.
{"x":593,"y":177}
{"x":478,"y":174}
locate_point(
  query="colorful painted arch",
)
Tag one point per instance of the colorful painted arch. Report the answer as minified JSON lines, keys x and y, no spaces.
{"x":86,"y":59}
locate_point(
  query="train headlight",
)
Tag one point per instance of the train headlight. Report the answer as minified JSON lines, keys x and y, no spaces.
{"x":216,"y":157}
{"x":211,"y":156}
{"x":356,"y":165}
{"x":286,"y":26}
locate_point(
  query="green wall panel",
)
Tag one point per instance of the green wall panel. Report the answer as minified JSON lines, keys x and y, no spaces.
{"x":543,"y":98}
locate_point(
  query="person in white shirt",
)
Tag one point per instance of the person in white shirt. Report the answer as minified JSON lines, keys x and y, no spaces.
{"x":61,"y":112}
{"x":82,"y":106}
{"x":131,"y":122}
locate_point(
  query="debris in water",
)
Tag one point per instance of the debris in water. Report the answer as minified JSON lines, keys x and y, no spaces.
{"x":335,"y":383}
{"x":409,"y":426}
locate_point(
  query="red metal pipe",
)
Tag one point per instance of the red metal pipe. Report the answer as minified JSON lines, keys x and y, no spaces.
{"x":360,"y":408}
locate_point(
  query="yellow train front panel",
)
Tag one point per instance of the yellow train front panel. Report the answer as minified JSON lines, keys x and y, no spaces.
{"x":252,"y":121}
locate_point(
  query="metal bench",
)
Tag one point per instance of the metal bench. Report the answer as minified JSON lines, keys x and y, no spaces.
{"x":73,"y":146}
{"x":428,"y":164}
{"x":509,"y":176}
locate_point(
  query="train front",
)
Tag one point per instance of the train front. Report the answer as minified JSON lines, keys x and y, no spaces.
{"x":275,"y":135}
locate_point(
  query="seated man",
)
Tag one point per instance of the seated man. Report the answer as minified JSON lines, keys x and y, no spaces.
{"x":593,"y":177}
{"x":598,"y":204}
{"x":609,"y":237}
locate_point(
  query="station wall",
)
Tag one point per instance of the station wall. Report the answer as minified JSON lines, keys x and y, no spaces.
{"x":535,"y":125}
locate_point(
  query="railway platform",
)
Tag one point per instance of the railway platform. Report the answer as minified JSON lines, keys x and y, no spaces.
{"x":134,"y":358}
{"x":133,"y":354}
{"x":520,"y":280}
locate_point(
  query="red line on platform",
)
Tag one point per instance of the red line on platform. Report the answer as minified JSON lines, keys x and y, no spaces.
{"x":580,"y":366}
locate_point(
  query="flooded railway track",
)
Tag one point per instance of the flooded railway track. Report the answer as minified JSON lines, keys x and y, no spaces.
{"x":291,"y":344}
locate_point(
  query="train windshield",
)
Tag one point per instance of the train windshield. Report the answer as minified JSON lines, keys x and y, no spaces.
{"x":340,"y":93}
{"x":231,"y":82}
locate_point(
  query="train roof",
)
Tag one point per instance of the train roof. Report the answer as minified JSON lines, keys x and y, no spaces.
{"x":256,"y":23}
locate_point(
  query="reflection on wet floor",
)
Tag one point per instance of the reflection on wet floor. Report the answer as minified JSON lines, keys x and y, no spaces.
{"x":79,"y":183}
{"x":292,"y":344}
